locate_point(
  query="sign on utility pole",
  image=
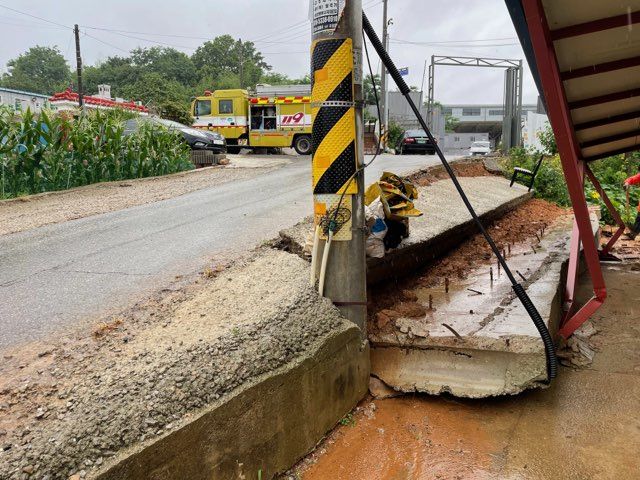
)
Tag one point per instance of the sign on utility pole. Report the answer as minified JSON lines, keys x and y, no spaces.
{"x":338,"y":140}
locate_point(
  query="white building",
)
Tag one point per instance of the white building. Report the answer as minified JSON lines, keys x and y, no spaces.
{"x":469,"y":113}
{"x":21,"y":101}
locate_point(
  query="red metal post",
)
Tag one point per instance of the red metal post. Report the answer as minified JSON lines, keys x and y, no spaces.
{"x":570,"y":157}
{"x":614,"y":213}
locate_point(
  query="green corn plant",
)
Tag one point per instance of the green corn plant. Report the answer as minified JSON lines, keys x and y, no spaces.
{"x":49,"y":151}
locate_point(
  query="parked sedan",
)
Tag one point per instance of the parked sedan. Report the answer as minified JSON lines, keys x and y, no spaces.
{"x":196,"y":139}
{"x":480,"y":148}
{"x":415,"y":141}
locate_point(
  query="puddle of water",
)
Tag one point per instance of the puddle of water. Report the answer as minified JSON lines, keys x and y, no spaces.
{"x":469,"y":301}
{"x":415,"y":438}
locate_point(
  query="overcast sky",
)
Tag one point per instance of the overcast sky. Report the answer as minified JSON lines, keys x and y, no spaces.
{"x":280,"y":29}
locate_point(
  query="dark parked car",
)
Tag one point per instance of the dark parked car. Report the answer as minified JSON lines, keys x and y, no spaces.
{"x":415,"y":141}
{"x":196,"y":139}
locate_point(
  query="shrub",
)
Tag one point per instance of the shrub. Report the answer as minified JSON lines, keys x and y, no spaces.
{"x":611,"y":173}
{"x":395,"y":134}
{"x":55,"y":152}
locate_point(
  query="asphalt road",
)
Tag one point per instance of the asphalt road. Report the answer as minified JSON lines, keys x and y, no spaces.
{"x":61,"y":276}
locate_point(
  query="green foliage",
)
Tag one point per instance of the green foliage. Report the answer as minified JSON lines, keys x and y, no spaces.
{"x":611,"y":173}
{"x":275,"y":78}
{"x":367,"y":89}
{"x":548,"y":141}
{"x":348,"y":420}
{"x":224,"y":55}
{"x":175,"y":111}
{"x":450,"y":123}
{"x":395,"y":134}
{"x":56,"y":152}
{"x":39,"y":70}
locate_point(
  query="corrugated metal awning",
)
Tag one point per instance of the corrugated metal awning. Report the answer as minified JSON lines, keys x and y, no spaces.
{"x":597,"y":47}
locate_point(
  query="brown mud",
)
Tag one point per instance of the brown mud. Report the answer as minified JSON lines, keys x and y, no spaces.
{"x":523,"y":225}
{"x":585,"y":426}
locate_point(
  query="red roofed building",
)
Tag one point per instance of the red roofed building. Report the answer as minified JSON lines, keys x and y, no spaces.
{"x":68,"y":100}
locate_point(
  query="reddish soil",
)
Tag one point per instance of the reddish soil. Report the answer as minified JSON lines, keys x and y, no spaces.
{"x":405,"y":438}
{"x":389,"y":302}
{"x":462,"y":168}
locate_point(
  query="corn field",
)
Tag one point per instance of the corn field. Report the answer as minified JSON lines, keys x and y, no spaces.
{"x":48,"y":151}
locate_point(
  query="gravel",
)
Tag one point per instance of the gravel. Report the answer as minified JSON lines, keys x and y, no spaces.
{"x":69,"y":411}
{"x":25,"y":213}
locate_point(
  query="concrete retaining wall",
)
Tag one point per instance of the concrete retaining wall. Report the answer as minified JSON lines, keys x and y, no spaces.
{"x":264,"y":427}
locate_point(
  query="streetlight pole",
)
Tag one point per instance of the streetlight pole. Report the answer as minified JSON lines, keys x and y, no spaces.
{"x":338,"y":155}
{"x":383,"y":77}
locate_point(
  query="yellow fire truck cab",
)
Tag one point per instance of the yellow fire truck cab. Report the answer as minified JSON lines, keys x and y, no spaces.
{"x":275,"y":117}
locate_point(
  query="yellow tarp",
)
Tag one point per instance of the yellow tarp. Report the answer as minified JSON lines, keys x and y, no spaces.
{"x":397,"y":195}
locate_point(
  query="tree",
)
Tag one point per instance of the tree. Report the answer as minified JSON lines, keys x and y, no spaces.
{"x":450,"y":123}
{"x":548,"y":140}
{"x":168,"y":62}
{"x":224,"y":55}
{"x":167,"y":97}
{"x":369,"y":96}
{"x":115,"y":71}
{"x":275,"y":78}
{"x":39,"y":70}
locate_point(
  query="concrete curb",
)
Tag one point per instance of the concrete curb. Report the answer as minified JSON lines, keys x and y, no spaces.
{"x":265,"y":426}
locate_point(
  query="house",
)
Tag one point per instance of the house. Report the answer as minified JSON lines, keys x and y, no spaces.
{"x":21,"y":101}
{"x":68,"y":100}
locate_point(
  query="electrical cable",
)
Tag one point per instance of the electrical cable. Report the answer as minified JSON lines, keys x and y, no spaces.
{"x":545,"y":335}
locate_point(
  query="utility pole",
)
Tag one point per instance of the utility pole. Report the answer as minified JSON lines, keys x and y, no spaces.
{"x":76,"y":31}
{"x":338,"y":136}
{"x":383,"y":76}
{"x":241,"y":64}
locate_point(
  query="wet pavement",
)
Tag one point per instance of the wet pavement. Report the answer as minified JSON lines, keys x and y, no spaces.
{"x":585,"y":426}
{"x":58,"y":277}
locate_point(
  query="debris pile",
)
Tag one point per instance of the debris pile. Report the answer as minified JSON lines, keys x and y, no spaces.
{"x":388,"y":207}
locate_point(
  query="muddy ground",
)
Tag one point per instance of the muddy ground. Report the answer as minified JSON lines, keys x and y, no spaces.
{"x":525,"y":224}
{"x":25,"y":213}
{"x":585,"y":426}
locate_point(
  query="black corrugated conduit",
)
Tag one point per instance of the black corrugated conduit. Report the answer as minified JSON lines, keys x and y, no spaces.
{"x":552,"y":360}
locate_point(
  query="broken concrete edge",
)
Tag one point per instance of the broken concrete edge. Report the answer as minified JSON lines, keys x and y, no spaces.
{"x":293,"y":239}
{"x":481,"y":366}
{"x":266,"y":425}
{"x":409,"y":257}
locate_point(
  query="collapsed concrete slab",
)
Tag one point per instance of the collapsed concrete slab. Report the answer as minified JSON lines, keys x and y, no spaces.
{"x":478,"y":340}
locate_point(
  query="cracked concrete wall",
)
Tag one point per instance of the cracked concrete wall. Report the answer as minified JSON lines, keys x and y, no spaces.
{"x":266,"y":426}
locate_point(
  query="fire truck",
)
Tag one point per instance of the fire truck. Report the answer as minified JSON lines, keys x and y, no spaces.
{"x":272,"y":117}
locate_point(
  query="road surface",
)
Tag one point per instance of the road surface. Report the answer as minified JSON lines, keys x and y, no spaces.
{"x":61,"y":276}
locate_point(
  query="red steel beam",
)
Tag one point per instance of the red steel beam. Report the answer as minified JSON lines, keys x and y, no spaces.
{"x":570,"y":155}
{"x":609,"y":97}
{"x":599,"y":122}
{"x":610,"y":138}
{"x":601,"y":68}
{"x":612,"y":210}
{"x":596,"y":26}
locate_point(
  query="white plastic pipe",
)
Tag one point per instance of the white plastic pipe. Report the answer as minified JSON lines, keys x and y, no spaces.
{"x":323,"y":266}
{"x":314,"y":255}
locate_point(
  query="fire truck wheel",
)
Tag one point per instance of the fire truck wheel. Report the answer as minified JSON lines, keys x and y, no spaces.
{"x":302,"y":144}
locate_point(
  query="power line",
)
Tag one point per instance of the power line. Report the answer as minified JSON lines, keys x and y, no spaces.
{"x":106,"y":43}
{"x":34,"y":16}
{"x":34,"y":25}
